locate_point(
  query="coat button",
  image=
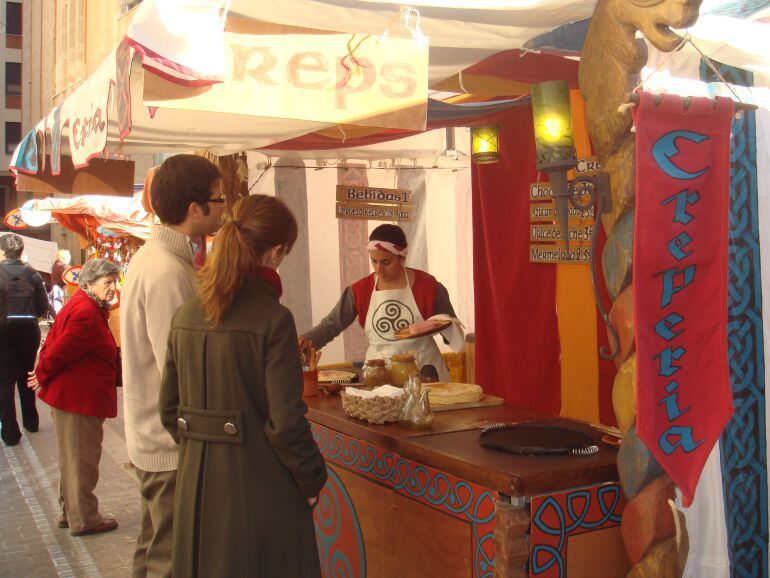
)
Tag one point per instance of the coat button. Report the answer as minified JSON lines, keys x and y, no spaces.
{"x":182,"y":424}
{"x":231,"y":429}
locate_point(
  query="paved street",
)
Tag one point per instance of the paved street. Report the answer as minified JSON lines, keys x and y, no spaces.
{"x":31,"y":544}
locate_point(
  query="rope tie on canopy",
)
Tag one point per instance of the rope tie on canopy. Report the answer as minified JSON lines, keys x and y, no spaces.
{"x":633,"y":97}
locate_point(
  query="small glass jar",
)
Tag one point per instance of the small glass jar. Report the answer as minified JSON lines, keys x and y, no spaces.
{"x":401,"y":367}
{"x":375,"y":373}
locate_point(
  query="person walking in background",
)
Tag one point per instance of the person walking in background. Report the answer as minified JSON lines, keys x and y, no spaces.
{"x":186,"y":194}
{"x":22,"y":300}
{"x":249,"y":469}
{"x":76,"y":375}
{"x":56,"y":295}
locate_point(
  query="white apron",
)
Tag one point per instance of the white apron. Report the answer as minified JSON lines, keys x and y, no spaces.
{"x":394,"y":309}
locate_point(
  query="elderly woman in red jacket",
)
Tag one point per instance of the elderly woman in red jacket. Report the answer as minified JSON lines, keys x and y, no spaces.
{"x":76,"y":375}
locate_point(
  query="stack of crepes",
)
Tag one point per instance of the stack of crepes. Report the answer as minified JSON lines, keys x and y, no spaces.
{"x":453,"y":393}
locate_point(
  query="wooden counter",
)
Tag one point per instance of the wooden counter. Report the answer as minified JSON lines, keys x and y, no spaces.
{"x":452,"y":446}
{"x":452,"y":508}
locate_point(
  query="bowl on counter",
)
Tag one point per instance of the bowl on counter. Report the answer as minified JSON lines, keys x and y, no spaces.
{"x":332,"y":388}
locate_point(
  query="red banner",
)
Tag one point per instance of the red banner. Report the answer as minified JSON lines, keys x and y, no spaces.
{"x":680,"y":281}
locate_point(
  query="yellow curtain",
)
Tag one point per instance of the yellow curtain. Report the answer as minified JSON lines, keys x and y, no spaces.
{"x":576,"y":311}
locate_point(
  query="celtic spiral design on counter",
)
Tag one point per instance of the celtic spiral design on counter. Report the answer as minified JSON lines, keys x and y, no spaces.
{"x":554,"y":521}
{"x":337,"y":525}
{"x":391,"y":316}
{"x":453,"y":496}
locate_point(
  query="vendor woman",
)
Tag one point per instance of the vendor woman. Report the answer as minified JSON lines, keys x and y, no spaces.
{"x":391,"y":298}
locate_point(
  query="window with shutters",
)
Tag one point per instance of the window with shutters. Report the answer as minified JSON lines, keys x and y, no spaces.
{"x":12,"y":136}
{"x":13,"y":78}
{"x":70,"y":66}
{"x":13,"y":18}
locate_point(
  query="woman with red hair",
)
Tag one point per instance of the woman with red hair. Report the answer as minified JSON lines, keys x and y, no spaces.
{"x":231,"y":396}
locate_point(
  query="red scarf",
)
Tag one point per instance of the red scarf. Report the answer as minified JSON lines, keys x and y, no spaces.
{"x":271,"y":277}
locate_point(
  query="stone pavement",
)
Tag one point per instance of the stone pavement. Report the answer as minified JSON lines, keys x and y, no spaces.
{"x":31,"y":544}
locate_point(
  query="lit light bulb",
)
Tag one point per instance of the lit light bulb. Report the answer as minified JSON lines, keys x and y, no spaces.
{"x":552,"y":127}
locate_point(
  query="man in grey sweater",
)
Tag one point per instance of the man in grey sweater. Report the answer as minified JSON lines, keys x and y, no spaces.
{"x":186,"y":194}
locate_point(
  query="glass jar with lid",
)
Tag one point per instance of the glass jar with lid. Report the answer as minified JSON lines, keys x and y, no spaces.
{"x":375,"y":373}
{"x":401,"y":367}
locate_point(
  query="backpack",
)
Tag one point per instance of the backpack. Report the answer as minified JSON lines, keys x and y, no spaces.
{"x":17,"y":294}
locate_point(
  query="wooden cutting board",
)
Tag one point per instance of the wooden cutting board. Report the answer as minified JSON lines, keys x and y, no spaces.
{"x":486,"y":401}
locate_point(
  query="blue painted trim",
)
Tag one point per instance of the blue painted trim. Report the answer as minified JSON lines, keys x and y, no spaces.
{"x":744,"y":441}
{"x":434,"y":488}
{"x":332,"y":558}
{"x":570,"y":520}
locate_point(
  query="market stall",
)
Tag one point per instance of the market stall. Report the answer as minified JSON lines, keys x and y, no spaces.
{"x":539,"y":338}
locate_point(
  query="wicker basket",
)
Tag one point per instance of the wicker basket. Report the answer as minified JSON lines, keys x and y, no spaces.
{"x":377,"y":410}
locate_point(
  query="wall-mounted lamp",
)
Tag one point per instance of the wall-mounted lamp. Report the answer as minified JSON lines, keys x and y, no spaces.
{"x":553,"y":126}
{"x":485,"y":144}
{"x":556,"y":155}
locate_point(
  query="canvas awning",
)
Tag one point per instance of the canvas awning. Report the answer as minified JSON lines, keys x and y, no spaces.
{"x":92,"y":216}
{"x":159,"y":88}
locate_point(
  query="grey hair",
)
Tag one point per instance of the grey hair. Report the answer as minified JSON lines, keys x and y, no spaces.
{"x":95,"y":269}
{"x":11,"y":245}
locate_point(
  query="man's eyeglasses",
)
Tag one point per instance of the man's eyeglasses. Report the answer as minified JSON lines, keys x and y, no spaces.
{"x":217,"y":200}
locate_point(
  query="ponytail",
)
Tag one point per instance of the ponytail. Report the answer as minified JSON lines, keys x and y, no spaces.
{"x":258,"y":223}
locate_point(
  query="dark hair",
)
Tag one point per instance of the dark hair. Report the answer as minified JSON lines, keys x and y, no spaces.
{"x":258,"y":223}
{"x":11,"y":245}
{"x":390,"y":233}
{"x":181,"y":180}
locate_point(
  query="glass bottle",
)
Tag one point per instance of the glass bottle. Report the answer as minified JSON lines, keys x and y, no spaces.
{"x":375,"y":373}
{"x":416,"y":413}
{"x":401,"y":367}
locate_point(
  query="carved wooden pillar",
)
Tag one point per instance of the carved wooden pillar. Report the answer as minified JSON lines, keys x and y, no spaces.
{"x":611,"y":60}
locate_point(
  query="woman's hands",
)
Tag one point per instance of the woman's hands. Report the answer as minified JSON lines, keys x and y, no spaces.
{"x":310,"y":355}
{"x":304,"y":345}
{"x":32,"y":382}
{"x":312,"y":501}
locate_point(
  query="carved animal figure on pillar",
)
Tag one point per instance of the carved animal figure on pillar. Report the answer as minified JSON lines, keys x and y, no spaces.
{"x":611,"y":61}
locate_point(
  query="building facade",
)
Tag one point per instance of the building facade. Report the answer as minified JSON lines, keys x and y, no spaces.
{"x":11,"y":26}
{"x":61,"y":42}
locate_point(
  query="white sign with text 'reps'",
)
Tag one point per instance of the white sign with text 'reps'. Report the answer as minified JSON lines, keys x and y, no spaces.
{"x":334,"y":78}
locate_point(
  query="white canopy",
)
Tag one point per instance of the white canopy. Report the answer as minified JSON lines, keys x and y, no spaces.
{"x":168,"y":36}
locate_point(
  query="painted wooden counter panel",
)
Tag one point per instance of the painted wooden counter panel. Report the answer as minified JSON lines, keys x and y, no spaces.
{"x":403,"y":504}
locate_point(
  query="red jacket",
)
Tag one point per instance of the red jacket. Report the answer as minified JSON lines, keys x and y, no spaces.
{"x":78,"y":362}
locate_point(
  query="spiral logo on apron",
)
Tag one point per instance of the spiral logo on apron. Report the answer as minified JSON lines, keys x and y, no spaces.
{"x":391,"y":316}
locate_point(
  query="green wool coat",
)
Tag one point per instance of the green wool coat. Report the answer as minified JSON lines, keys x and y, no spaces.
{"x":232,"y":398}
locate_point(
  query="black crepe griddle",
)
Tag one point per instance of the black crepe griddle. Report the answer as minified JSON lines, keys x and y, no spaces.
{"x":536,"y":439}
